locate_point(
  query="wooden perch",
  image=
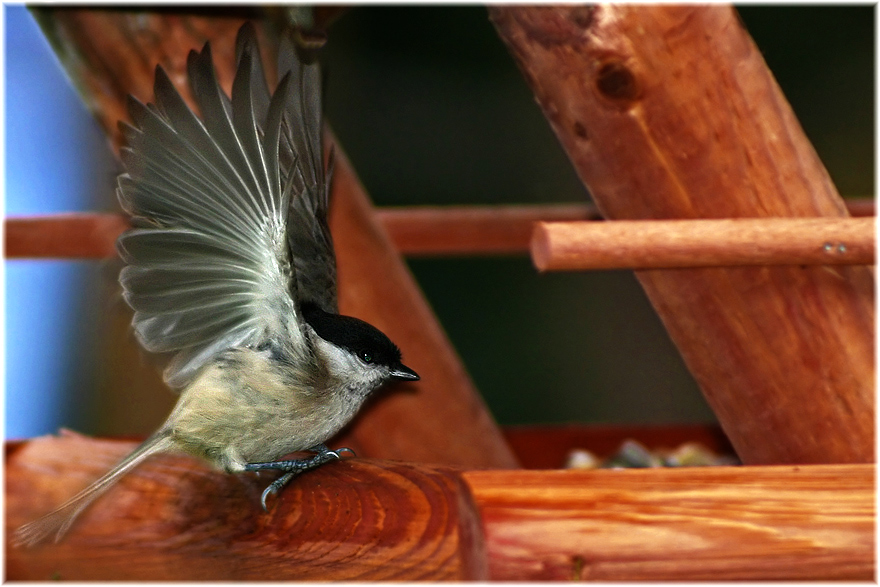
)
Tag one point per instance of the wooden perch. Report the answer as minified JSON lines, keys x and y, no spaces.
{"x":669,"y":112}
{"x":470,"y":230}
{"x":422,"y":230}
{"x":113,"y":52}
{"x":416,"y":231}
{"x":665,"y":244}
{"x":688,"y":524}
{"x":369,"y":520}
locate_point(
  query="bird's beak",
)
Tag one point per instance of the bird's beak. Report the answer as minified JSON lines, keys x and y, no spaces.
{"x":404,"y":373}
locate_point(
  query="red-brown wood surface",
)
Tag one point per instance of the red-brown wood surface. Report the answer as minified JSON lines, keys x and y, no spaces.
{"x":472,"y":230}
{"x":110,"y":53}
{"x":362,"y":519}
{"x":416,"y":230}
{"x":669,"y":111}
{"x":175,"y":519}
{"x":64,"y":236}
{"x":688,"y":524}
{"x":666,"y":244}
{"x":422,"y":230}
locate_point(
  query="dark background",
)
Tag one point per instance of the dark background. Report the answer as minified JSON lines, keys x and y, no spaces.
{"x":430,"y":109}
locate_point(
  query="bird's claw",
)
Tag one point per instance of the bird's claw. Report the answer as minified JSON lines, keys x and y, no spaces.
{"x":266,"y":492}
{"x":293,"y":468}
{"x":275,"y":487}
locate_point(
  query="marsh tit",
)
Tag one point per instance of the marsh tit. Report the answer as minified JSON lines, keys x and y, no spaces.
{"x":231,"y":269}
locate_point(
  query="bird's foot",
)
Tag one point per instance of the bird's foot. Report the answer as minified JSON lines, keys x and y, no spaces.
{"x":295,"y":467}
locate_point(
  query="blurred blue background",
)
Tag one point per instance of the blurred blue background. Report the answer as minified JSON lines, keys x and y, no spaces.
{"x":54,"y":163}
{"x":431,"y":110}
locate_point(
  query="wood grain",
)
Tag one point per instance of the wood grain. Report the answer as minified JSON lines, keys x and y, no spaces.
{"x":698,"y":524}
{"x":669,"y":112}
{"x":666,"y":244}
{"x":175,"y":519}
{"x":365,"y":520}
{"x":112,"y":52}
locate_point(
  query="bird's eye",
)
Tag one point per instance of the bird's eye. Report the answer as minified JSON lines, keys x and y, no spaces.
{"x":366,"y":357}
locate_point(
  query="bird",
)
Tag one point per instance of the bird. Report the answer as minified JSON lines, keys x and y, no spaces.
{"x":231,"y":272}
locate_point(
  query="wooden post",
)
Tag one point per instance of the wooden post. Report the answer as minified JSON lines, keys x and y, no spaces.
{"x":111,"y":53}
{"x":670,"y":112}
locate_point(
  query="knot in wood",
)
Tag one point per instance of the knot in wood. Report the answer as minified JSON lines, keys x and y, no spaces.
{"x":617,"y":82}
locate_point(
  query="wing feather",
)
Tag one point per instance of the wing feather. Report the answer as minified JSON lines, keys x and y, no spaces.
{"x":210,"y":268}
{"x":301,"y":151}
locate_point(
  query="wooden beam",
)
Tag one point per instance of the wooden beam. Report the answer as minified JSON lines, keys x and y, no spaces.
{"x":669,"y":112}
{"x":665,"y":244}
{"x":688,"y":524}
{"x":368,"y":520}
{"x":174,"y":519}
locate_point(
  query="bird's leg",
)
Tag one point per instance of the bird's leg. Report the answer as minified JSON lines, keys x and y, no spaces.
{"x":295,"y":467}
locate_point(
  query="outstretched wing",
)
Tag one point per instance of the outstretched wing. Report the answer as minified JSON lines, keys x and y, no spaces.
{"x":301,"y":153}
{"x":210,"y":269}
{"x":307,"y":230}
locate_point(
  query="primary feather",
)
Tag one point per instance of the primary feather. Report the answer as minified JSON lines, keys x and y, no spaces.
{"x":234,"y":206}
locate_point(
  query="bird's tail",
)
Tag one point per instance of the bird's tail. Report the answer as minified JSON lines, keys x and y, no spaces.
{"x":60,"y":519}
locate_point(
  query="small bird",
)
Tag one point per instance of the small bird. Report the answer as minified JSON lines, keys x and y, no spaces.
{"x":230,"y":268}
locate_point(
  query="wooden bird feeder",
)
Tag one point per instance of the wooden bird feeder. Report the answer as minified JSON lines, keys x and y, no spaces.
{"x":707,"y":187}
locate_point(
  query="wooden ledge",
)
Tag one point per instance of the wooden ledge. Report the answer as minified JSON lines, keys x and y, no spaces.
{"x":365,"y":520}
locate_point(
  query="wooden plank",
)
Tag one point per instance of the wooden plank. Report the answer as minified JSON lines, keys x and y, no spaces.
{"x":414,"y":230}
{"x":110,"y":53}
{"x":669,"y":112}
{"x":666,"y":244}
{"x":175,"y":519}
{"x":696,"y":524}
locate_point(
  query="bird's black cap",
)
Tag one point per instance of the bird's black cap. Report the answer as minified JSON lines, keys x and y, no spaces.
{"x":366,"y":341}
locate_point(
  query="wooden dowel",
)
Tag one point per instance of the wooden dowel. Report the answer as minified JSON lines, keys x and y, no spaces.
{"x":690,"y":524}
{"x":64,"y":236}
{"x":414,"y":230}
{"x":659,"y":244}
{"x":473,"y":230}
